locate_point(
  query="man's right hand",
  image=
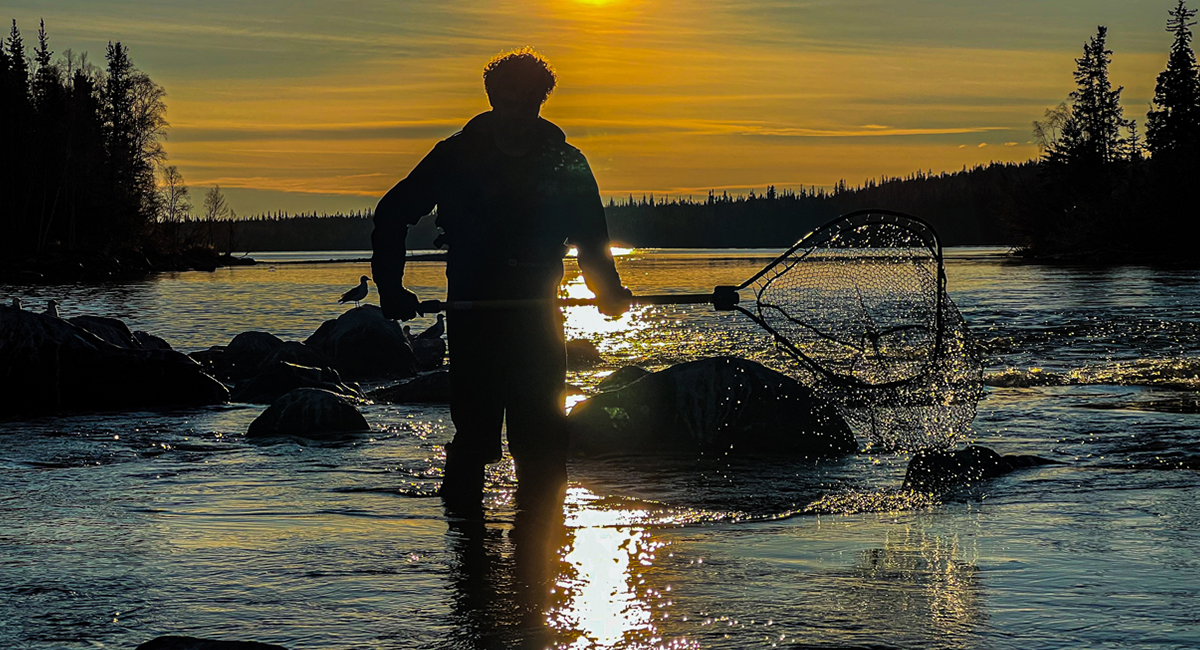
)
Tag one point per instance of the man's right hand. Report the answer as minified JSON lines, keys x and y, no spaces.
{"x":399,"y":304}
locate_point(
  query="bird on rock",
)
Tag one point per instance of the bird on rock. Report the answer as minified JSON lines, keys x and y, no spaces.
{"x":17,"y":304}
{"x":436,"y":331}
{"x":52,"y":309}
{"x":356,"y":294}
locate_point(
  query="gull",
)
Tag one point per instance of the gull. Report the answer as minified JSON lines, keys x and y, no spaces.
{"x":357,"y":293}
{"x":52,"y":309}
{"x":436,"y":330}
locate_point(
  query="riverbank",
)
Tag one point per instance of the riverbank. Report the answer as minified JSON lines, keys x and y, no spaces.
{"x":96,"y":266}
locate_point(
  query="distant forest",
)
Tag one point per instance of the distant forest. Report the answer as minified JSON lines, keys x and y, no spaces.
{"x":967,"y":207}
{"x":84,"y":170}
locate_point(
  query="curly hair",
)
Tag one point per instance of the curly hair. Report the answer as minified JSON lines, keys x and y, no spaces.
{"x":523,"y":72}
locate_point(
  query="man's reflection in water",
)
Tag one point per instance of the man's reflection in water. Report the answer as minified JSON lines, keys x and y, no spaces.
{"x":504,"y":577}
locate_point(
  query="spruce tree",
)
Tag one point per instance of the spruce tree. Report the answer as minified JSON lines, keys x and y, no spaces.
{"x":18,"y":64}
{"x":1092,"y":135}
{"x":47,"y":82}
{"x":1173,"y":125}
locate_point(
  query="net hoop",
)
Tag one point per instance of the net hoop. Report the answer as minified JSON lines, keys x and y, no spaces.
{"x":921,"y":232}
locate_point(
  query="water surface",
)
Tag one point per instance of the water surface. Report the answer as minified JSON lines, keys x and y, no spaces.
{"x":119,"y":527}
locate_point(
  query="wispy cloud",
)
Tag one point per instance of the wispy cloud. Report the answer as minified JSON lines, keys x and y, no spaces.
{"x":329,"y":100}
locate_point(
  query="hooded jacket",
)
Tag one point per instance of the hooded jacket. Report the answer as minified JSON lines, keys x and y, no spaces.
{"x":507,"y":219}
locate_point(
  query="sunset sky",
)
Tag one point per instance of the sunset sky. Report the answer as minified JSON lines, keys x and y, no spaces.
{"x":324,"y":105}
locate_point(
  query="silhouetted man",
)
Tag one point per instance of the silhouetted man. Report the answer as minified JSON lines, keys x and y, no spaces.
{"x":510,"y":193}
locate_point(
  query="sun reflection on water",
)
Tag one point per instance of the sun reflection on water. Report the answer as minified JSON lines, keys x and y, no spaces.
{"x":586,"y":322}
{"x":604,"y":599}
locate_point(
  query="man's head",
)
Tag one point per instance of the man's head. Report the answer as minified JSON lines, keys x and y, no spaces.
{"x":518,"y":83}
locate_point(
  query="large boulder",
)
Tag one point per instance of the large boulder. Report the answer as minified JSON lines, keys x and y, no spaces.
{"x":309,"y":413}
{"x":110,"y":330}
{"x":362,"y":345}
{"x":938,"y":471}
{"x":582,"y":353}
{"x":297,"y":353}
{"x":430,"y":352}
{"x":193,"y":643}
{"x":429,"y":388}
{"x":622,"y":377}
{"x":281,"y":378}
{"x":150,"y":341}
{"x":717,"y":404}
{"x":247,"y":353}
{"x":50,"y":364}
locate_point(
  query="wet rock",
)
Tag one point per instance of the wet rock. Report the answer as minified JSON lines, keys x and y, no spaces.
{"x":309,"y":413}
{"x":150,"y":341}
{"x":246,"y":354}
{"x":109,"y":330}
{"x":582,"y":353}
{"x":210,"y":359}
{"x":430,"y":353}
{"x":712,"y":405}
{"x":362,"y":345}
{"x":937,"y":471}
{"x":193,"y":643}
{"x":281,"y":378}
{"x":297,"y":353}
{"x":49,"y":364}
{"x":430,"y":388}
{"x":621,"y":378}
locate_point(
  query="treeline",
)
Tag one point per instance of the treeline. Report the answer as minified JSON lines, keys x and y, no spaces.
{"x":282,"y":231}
{"x":1104,"y":194}
{"x":81,"y":149}
{"x":967,"y":207}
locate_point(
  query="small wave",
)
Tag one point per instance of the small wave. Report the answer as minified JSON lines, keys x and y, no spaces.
{"x":412,"y":491}
{"x":1179,"y":373}
{"x":855,"y":502}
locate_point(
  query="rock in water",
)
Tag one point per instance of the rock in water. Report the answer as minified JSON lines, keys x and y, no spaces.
{"x":246,"y":354}
{"x":309,"y":413}
{"x":297,"y":353}
{"x":430,"y":388}
{"x":282,"y":378}
{"x":110,"y":330}
{"x":49,"y":364}
{"x":363,"y":345}
{"x":582,"y":353}
{"x":150,"y":341}
{"x":430,"y":353}
{"x":621,"y":378}
{"x":193,"y":643}
{"x":711,"y":405}
{"x":937,"y":471}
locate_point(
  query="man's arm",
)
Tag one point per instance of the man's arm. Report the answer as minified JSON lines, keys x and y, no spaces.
{"x":590,"y":237}
{"x":403,"y":206}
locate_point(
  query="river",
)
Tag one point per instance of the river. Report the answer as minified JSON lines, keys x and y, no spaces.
{"x":120,"y":527}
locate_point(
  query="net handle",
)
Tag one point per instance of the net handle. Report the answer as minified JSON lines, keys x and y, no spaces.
{"x":722,"y":298}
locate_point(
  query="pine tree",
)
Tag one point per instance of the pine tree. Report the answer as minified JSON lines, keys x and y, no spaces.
{"x":1173,"y":125}
{"x":18,"y":64}
{"x":1092,"y":134}
{"x":47,"y":81}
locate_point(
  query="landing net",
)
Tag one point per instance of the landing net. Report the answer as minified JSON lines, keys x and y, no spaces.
{"x":861,"y":304}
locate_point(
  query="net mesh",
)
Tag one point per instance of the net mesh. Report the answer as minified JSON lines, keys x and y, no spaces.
{"x":861,"y":303}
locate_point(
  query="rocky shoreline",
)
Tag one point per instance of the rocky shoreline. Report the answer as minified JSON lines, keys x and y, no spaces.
{"x":93,"y":266}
